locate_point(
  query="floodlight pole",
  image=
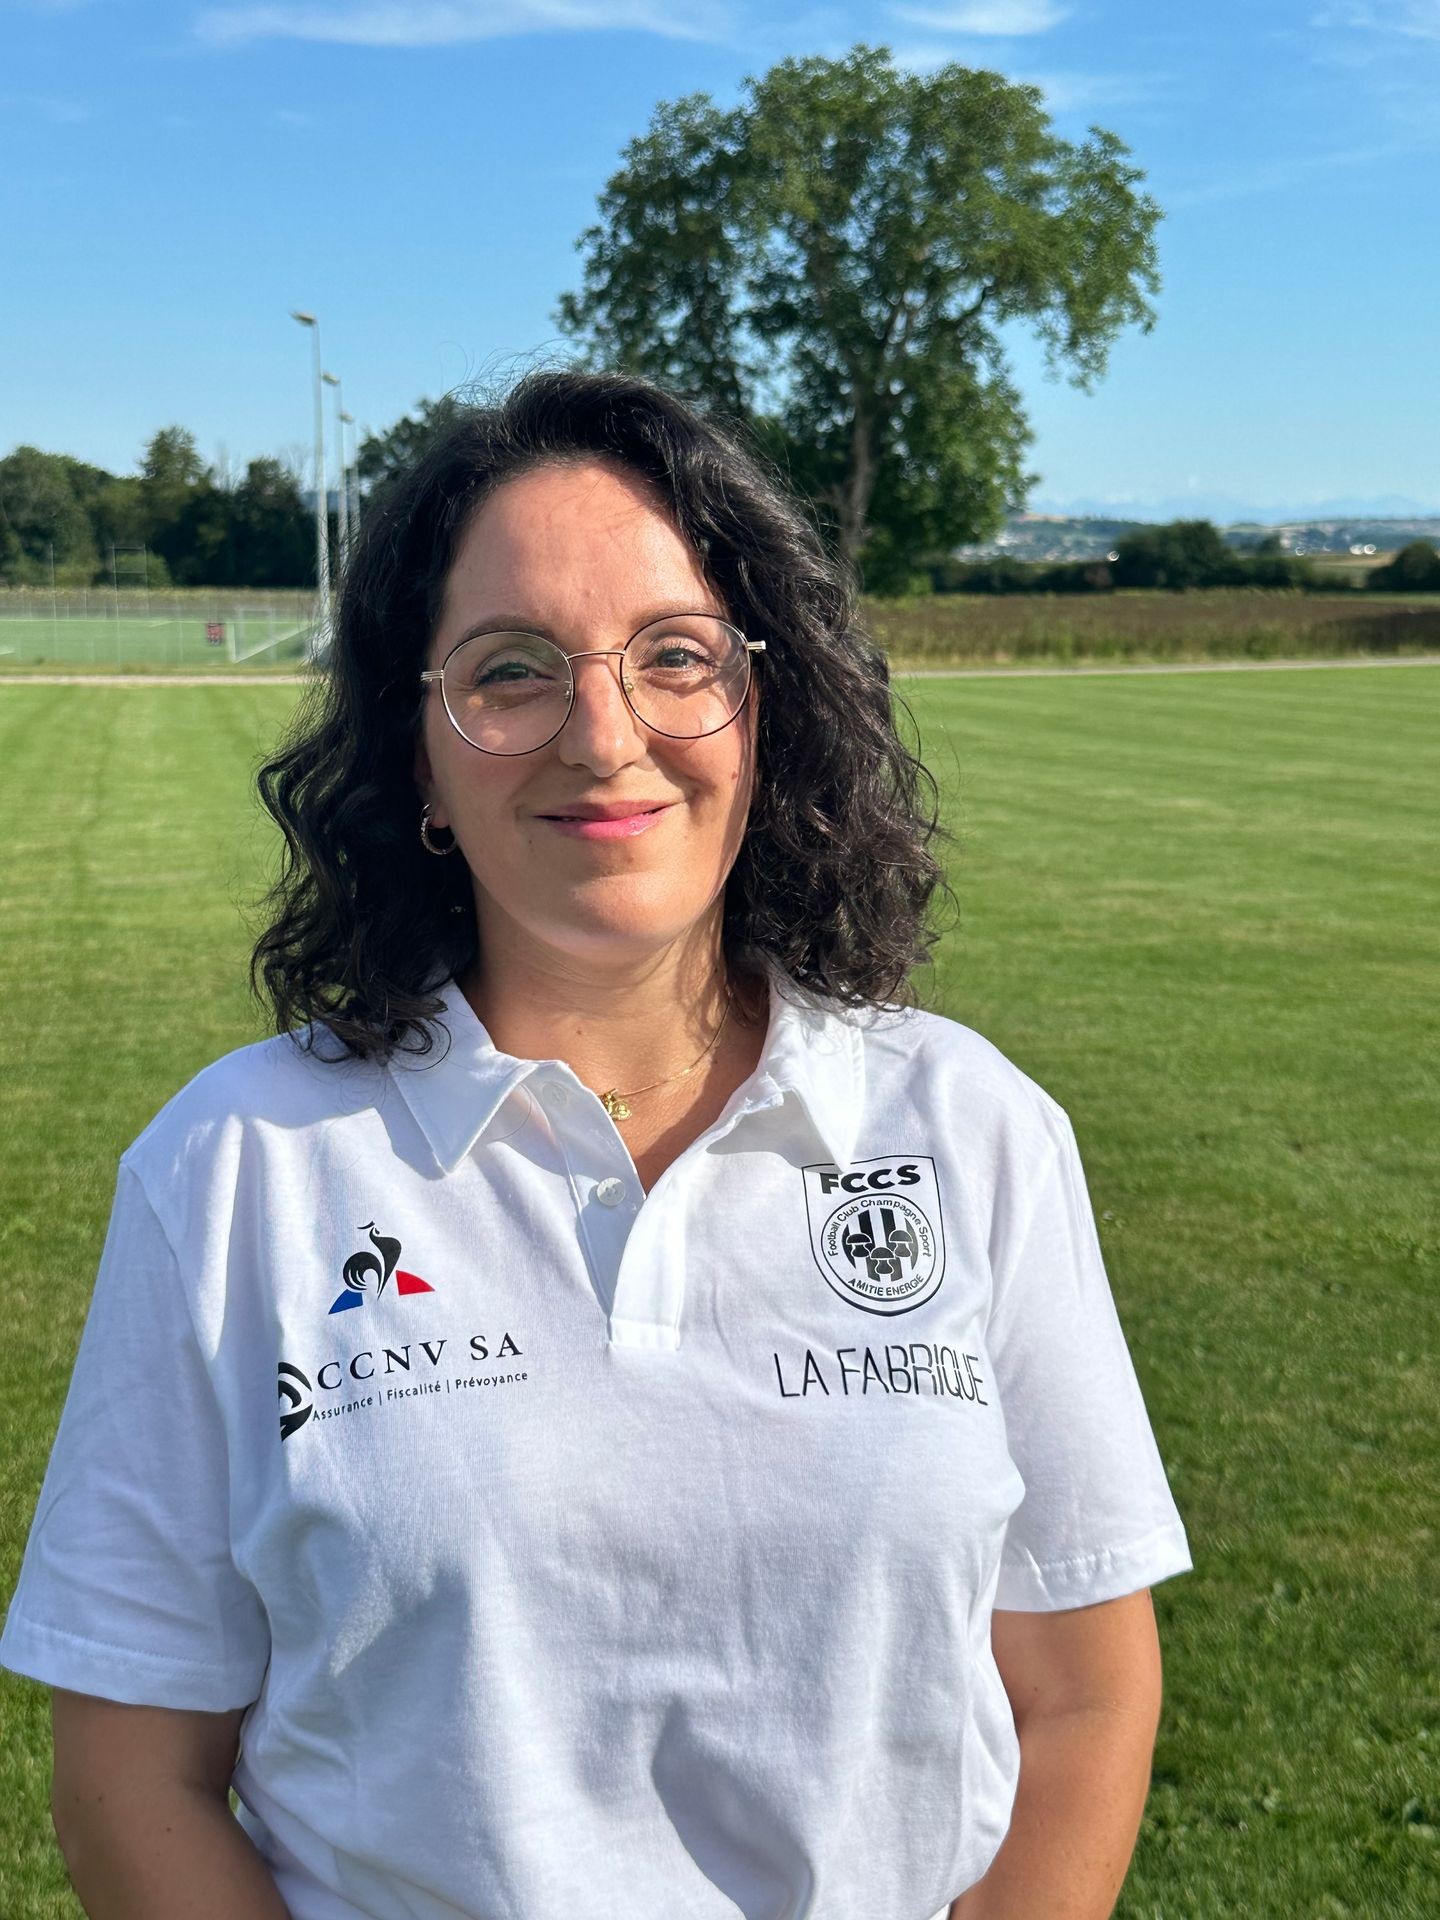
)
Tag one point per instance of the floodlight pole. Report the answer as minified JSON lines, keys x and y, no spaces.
{"x":352,"y":522}
{"x":342,"y":512}
{"x":322,"y":517}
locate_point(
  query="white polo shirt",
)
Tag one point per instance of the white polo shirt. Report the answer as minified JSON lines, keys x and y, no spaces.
{"x":606,"y":1553}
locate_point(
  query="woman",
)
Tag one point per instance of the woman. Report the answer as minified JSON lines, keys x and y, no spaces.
{"x":709,"y":1471}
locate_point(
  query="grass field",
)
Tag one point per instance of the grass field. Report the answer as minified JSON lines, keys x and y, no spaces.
{"x":1201,"y":911}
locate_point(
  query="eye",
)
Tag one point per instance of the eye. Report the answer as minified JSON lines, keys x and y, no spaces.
{"x":678,"y":653}
{"x":498,"y":663}
{"x":499,"y":672}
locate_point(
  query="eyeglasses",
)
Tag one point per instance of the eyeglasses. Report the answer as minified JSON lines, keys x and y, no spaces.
{"x":685,"y":676}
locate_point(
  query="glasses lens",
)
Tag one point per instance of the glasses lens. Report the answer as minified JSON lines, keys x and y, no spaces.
{"x":507,"y":692}
{"x":687,"y":675}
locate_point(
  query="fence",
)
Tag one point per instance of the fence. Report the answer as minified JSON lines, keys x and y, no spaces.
{"x":131,"y":627}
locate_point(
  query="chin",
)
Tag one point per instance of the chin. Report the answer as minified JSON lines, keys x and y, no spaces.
{"x":599,"y":940}
{"x":608,"y":937}
{"x":604,"y":918}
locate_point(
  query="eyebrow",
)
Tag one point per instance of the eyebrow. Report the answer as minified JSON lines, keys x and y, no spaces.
{"x":518,"y":623}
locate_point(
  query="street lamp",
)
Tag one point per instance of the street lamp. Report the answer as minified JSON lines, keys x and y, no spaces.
{"x":352,"y":518}
{"x":322,"y":531}
{"x":342,"y":509}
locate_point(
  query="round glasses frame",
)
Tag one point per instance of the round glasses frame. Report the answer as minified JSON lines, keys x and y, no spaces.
{"x":619,"y":653}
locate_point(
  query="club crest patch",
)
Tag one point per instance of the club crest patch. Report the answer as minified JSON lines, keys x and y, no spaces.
{"x":876,"y":1231}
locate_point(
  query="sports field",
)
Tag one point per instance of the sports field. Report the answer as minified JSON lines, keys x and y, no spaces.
{"x":1201,"y":910}
{"x":260,"y":635}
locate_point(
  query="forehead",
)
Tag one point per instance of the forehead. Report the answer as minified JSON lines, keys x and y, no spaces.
{"x":575,"y":541}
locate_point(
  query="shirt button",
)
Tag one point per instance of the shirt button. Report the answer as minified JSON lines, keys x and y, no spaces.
{"x":610,"y":1192}
{"x":558,"y":1094}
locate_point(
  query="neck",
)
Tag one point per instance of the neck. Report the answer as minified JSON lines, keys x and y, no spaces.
{"x":618,"y":1022}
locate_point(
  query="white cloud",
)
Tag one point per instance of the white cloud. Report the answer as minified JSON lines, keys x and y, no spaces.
{"x":439,"y":23}
{"x":1416,"y":19}
{"x":1064,"y":92}
{"x":1280,"y":175}
{"x":1384,"y":52}
{"x":918,"y":56}
{"x":50,"y":106}
{"x":1002,"y":17}
{"x":1078,"y":92}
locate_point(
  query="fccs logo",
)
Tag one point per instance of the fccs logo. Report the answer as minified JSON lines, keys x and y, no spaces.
{"x":876,"y":1231}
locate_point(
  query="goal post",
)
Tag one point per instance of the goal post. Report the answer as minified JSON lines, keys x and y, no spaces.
{"x":253,"y":631}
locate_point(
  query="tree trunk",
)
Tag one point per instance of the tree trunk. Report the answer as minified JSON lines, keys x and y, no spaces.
{"x":859,"y":485}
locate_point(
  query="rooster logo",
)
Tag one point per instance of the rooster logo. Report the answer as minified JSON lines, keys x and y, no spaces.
{"x":370,"y":1273}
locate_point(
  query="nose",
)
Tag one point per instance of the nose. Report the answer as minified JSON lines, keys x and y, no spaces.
{"x":600,"y":732}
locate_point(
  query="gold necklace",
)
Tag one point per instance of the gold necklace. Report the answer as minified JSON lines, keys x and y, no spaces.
{"x":615,"y":1102}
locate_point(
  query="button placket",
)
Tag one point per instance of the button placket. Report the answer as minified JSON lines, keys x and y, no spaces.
{"x":650,"y":1285}
{"x":649,"y":1298}
{"x":605,"y":1202}
{"x":634,"y":1242}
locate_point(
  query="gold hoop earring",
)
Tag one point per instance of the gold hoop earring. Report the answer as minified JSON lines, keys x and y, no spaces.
{"x":425,"y":834}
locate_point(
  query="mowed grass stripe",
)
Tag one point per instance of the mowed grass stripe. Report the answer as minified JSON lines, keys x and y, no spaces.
{"x":1201,"y":911}
{"x":1208,"y":925}
{"x":121,"y":962}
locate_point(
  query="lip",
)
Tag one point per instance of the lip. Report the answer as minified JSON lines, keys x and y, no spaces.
{"x":617,"y":821}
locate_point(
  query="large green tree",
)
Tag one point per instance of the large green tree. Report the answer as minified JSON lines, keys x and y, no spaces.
{"x":381,"y":454}
{"x":1415,"y":567}
{"x":171,"y":471}
{"x":272,"y":530}
{"x":833,"y":260}
{"x":1182,"y":553}
{"x":44,"y":517}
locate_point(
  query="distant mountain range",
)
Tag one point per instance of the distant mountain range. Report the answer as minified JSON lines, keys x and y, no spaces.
{"x":1227,"y":509}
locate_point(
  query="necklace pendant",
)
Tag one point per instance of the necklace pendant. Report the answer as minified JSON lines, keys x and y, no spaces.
{"x":614,"y":1104}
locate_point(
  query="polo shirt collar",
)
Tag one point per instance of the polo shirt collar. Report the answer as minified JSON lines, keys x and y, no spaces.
{"x":812,"y":1050}
{"x":815,"y":1051}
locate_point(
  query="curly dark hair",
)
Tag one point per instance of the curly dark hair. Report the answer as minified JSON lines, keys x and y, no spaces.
{"x":835,"y":876}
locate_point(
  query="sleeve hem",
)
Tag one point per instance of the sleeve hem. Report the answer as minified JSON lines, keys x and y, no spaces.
{"x":1084,"y":1580}
{"x":58,"y":1658}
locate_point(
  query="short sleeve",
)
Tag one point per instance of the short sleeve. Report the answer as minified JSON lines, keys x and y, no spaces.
{"x":127,"y":1588}
{"x":1097,"y":1519}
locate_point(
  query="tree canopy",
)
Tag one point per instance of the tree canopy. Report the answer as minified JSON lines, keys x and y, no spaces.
{"x":832,"y":262}
{"x":381,"y":454}
{"x":1182,"y":553}
{"x":1415,"y":568}
{"x":43,"y":517}
{"x":198,"y":531}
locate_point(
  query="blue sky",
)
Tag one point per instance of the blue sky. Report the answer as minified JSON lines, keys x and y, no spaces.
{"x":178,"y":176}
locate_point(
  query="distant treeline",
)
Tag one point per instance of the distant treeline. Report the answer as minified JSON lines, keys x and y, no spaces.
{"x":178,"y":522}
{"x":1180,"y":555}
{"x":185,"y":524}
